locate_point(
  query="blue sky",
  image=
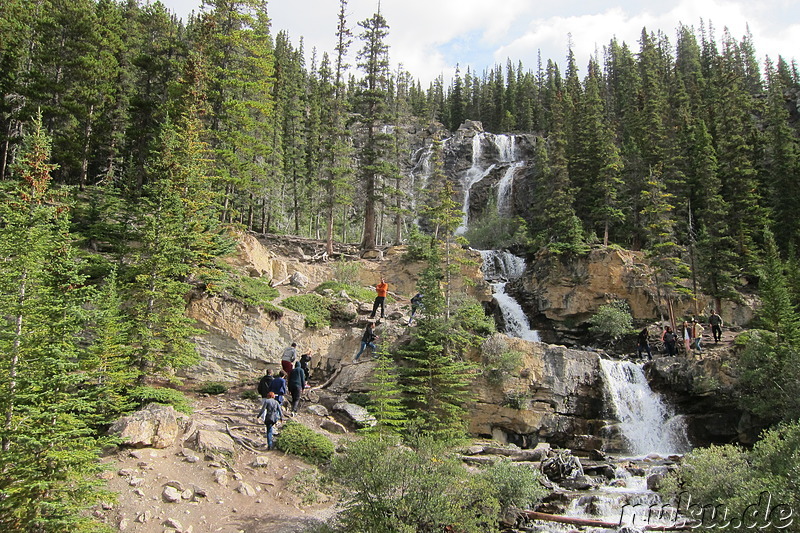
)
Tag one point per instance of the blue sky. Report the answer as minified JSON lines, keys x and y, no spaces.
{"x":429,"y":37}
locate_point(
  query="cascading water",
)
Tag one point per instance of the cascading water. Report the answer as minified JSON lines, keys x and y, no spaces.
{"x":473,"y":175}
{"x":646,"y":423}
{"x":499,"y":267}
{"x":505,"y":187}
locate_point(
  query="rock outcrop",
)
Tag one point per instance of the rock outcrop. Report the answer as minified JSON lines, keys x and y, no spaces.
{"x":156,"y":426}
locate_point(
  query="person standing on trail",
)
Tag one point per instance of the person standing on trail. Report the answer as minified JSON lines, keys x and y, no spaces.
{"x":416,"y":303}
{"x":288,"y":357}
{"x":380,"y":300}
{"x":669,"y":339}
{"x":642,"y":343}
{"x":367,"y":339}
{"x":270,"y":413}
{"x":263,"y":385}
{"x":687,"y":337}
{"x":297,"y":382}
{"x":716,"y":326}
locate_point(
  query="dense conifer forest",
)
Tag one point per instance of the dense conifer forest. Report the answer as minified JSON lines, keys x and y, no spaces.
{"x":131,"y":142}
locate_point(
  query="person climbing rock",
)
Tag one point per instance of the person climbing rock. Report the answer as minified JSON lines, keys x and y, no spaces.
{"x":263,"y":385}
{"x":297,"y":382}
{"x":288,"y":357}
{"x":416,"y":303}
{"x":367,"y":339}
{"x":380,"y":300}
{"x":278,"y":386}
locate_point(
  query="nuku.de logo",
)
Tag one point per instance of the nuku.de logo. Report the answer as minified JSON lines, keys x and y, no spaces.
{"x":685,"y":514}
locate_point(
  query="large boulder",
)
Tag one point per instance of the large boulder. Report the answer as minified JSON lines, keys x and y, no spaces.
{"x":156,"y":425}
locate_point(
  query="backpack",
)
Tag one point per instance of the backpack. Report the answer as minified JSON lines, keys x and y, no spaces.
{"x":670,"y":337}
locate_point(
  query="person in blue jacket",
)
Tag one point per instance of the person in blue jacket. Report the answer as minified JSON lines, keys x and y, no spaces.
{"x":278,"y":386}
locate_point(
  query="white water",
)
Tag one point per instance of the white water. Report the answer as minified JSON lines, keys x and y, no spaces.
{"x":504,"y":188}
{"x":645,"y":421}
{"x":473,"y":175}
{"x":499,"y":267}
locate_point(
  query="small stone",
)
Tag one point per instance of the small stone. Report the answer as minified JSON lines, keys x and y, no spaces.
{"x":192,"y":459}
{"x":237,"y":476}
{"x":221,"y":476}
{"x":171,"y":522}
{"x":139,"y":492}
{"x":261,"y":461}
{"x":107,"y":506}
{"x":176,"y":484}
{"x":188,"y":494}
{"x":144,"y":517}
{"x":136,"y":454}
{"x":333,"y":426}
{"x":123,"y":524}
{"x":126,"y":472}
{"x":246,"y":489}
{"x":135,"y":481}
{"x":171,"y":494}
{"x":317,"y":409}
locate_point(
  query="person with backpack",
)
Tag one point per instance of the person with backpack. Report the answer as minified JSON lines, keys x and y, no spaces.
{"x":367,"y":339}
{"x":669,"y":339}
{"x":297,"y":382}
{"x":416,"y":303}
{"x":278,"y":386}
{"x":271,"y":414}
{"x":263,"y":385}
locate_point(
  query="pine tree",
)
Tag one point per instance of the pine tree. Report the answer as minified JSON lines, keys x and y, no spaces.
{"x":373,"y":60}
{"x":50,"y":462}
{"x":384,"y":399}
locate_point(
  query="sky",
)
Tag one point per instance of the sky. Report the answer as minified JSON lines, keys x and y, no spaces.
{"x":430,"y":37}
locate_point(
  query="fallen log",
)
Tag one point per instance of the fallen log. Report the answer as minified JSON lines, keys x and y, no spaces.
{"x":572,"y":520}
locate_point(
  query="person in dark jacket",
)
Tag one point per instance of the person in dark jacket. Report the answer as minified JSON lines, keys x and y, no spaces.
{"x":270,"y":413}
{"x":416,"y":303}
{"x":305,"y":363}
{"x":367,"y":339}
{"x":278,"y":386}
{"x":643,"y":343}
{"x":297,"y":382}
{"x":263,"y":385}
{"x":669,"y":338}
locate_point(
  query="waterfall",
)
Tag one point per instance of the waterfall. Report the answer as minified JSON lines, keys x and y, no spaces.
{"x":645,"y":421}
{"x":473,"y":175}
{"x":499,"y":267}
{"x":506,"y":147}
{"x":505,"y":187}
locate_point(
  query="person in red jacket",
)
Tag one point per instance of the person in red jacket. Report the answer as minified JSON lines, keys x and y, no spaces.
{"x":380,"y":300}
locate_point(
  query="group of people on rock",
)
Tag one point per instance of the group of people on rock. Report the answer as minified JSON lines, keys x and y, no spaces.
{"x":291,"y":379}
{"x":691,"y":333}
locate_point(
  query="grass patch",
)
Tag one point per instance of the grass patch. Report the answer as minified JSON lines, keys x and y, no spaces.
{"x":313,"y":307}
{"x":213,"y":388}
{"x":358,"y":293}
{"x":299,"y":440}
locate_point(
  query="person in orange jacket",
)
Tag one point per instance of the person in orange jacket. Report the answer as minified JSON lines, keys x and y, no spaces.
{"x":380,"y":300}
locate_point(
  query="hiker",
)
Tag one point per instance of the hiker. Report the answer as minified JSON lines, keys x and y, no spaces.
{"x":416,"y":303}
{"x":270,"y":413}
{"x":716,"y":326}
{"x":305,"y":364}
{"x":697,"y":335}
{"x":288,"y":357}
{"x":642,"y":343}
{"x":380,"y":300}
{"x":297,"y":382}
{"x":367,"y":339}
{"x":687,"y":337}
{"x":669,"y":338}
{"x":278,"y":386}
{"x":263,"y":385}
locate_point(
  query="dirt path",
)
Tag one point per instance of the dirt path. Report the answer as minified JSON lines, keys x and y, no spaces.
{"x":268,"y":497}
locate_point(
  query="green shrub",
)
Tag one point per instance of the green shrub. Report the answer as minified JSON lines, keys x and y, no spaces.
{"x":423,"y":489}
{"x":359,"y":398}
{"x":361,"y":294}
{"x":612,"y":320}
{"x":306,"y":484}
{"x":297,"y":439}
{"x":312,"y":306}
{"x":345,"y":271}
{"x":499,"y":363}
{"x":419,"y":246}
{"x":234,"y":284}
{"x":145,"y":394}
{"x":516,"y":485}
{"x":517,"y":400}
{"x":250,"y":394}
{"x":212,"y":387}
